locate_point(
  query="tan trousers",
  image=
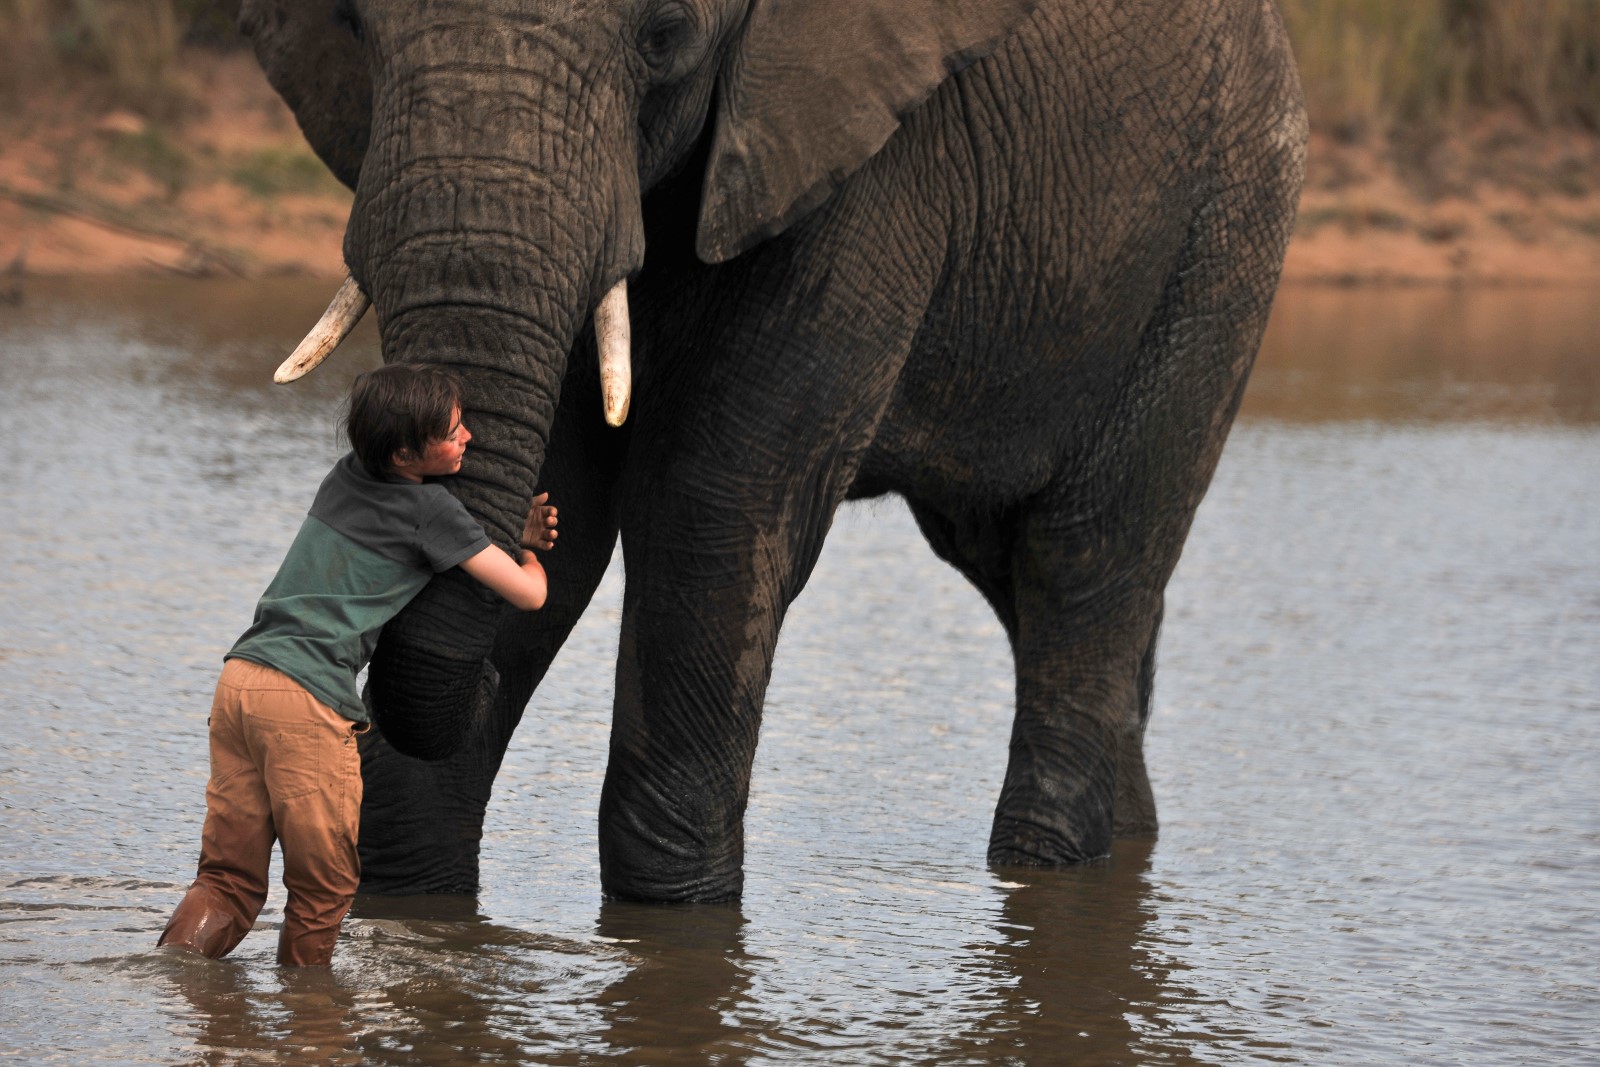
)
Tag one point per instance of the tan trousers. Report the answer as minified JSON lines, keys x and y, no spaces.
{"x":284,"y":766}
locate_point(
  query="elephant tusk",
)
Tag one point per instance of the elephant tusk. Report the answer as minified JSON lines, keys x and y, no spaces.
{"x":613,"y":341}
{"x":344,"y":311}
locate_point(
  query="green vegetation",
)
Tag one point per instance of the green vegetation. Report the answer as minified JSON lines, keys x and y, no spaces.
{"x":151,"y":151}
{"x":275,"y":171}
{"x":1371,"y":67}
{"x":1353,"y":218}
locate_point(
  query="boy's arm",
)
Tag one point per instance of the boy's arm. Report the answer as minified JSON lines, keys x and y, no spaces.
{"x":524,"y":584}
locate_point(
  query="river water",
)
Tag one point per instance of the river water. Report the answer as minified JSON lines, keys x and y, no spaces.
{"x":1374,"y":743}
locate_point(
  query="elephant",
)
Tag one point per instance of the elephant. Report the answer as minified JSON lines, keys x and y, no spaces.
{"x":1010,"y":260}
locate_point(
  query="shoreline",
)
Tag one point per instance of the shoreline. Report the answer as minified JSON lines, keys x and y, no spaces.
{"x":236,"y":191}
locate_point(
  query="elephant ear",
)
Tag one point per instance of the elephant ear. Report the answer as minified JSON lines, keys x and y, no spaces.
{"x":811,"y":89}
{"x":318,"y":69}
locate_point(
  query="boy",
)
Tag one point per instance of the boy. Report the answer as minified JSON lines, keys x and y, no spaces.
{"x":287,"y":713}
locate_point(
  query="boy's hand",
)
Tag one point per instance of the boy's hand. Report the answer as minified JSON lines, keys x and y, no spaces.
{"x":539,"y":531}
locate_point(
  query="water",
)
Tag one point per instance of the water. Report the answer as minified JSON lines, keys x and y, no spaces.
{"x":1378,"y":710}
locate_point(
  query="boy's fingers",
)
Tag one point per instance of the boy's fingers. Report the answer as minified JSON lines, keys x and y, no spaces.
{"x":538,"y":529}
{"x":535,"y":511}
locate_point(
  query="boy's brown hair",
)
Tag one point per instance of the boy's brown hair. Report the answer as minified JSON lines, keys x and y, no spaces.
{"x":400,"y":407}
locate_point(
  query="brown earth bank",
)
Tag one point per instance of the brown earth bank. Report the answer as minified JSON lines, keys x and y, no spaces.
{"x":87,"y":188}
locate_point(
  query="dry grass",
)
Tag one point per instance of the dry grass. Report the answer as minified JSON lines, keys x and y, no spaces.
{"x":1374,"y":67}
{"x":129,"y":49}
{"x":1371,"y":67}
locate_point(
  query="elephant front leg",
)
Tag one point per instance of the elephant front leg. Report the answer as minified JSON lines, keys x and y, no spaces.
{"x":712,"y":567}
{"x":692,"y":670}
{"x":769,"y":380}
{"x":422,"y":822}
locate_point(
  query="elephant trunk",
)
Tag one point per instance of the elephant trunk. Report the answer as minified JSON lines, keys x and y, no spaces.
{"x":430,"y":679}
{"x":482,"y":251}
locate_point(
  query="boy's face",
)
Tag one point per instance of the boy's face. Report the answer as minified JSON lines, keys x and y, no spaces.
{"x":441,"y":457}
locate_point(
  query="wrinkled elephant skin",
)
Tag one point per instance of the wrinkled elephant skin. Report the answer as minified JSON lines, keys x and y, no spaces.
{"x":1010,"y":259}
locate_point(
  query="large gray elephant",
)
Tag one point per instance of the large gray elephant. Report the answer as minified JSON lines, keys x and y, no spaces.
{"x":1010,"y":259}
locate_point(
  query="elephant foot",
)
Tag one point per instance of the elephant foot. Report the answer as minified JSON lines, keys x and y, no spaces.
{"x":403,"y":860}
{"x":1135,"y":811}
{"x":653,"y":892}
{"x":636,"y":865}
{"x":1056,"y":812}
{"x":1136,"y":815}
{"x":1023,"y":842}
{"x":657,"y":883}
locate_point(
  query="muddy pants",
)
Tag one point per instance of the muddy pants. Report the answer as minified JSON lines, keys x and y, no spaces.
{"x":284,"y":767}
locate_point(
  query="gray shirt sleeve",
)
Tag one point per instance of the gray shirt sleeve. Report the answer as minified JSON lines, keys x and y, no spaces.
{"x":448,"y":535}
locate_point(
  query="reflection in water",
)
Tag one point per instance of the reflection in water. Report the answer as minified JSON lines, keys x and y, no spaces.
{"x":689,"y":976}
{"x":452,"y":985}
{"x":419,"y":980}
{"x":305,"y":1014}
{"x":1081,"y":983}
{"x":212,"y":341}
{"x":1429,"y":354}
{"x":229,"y":329}
{"x":1330,"y":354}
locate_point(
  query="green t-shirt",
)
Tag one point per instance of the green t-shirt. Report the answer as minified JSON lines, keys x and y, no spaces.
{"x":366,"y":548}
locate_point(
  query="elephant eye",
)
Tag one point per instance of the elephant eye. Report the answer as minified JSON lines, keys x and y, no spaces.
{"x":347,"y":18}
{"x":665,"y":35}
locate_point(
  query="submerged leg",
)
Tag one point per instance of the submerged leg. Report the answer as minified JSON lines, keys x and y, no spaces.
{"x":317,"y":831}
{"x":704,"y":601}
{"x":1090,"y":556}
{"x":230,"y":885}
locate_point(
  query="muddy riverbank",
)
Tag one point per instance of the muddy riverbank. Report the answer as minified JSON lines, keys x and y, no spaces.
{"x":232,"y":189}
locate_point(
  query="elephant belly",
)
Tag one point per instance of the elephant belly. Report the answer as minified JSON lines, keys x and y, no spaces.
{"x":999,"y":431}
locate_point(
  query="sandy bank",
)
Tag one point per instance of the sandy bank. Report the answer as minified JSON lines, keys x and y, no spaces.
{"x":1499,"y":204}
{"x":232,"y":189}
